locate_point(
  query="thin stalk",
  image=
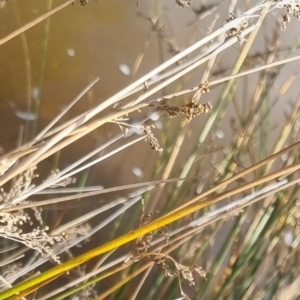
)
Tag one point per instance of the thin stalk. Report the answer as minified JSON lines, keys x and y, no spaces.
{"x":219,"y":261}
{"x":43,"y":53}
{"x":34,"y":22}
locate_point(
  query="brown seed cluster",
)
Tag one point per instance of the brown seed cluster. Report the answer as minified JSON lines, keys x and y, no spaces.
{"x":169,"y":265}
{"x":204,"y":87}
{"x":183,"y":3}
{"x":142,"y":243}
{"x":84,"y":2}
{"x":153,"y":141}
{"x":237,"y":31}
{"x":190,"y":110}
{"x":291,"y":10}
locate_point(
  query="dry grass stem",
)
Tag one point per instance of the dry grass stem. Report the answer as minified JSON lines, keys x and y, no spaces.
{"x":35,"y":22}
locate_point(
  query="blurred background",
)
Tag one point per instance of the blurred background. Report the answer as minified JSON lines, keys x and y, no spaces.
{"x":45,"y":68}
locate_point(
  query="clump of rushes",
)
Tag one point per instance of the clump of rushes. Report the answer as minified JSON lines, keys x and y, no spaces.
{"x":225,"y":210}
